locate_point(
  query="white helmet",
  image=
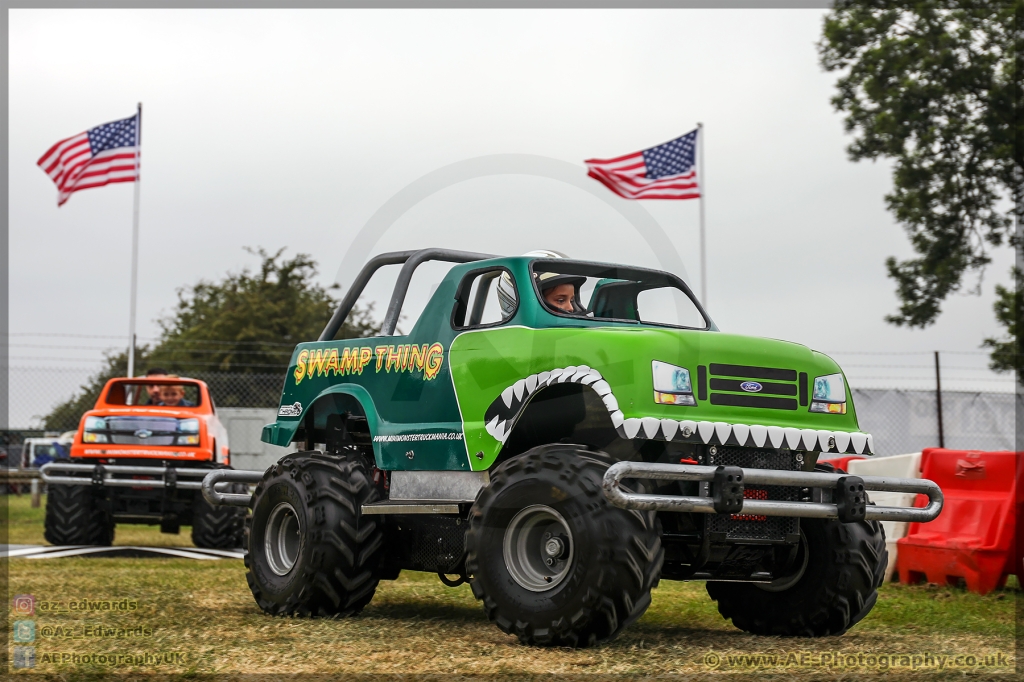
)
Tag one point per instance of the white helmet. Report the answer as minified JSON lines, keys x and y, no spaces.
{"x":506,"y":289}
{"x":507,"y":298}
{"x":545,"y":253}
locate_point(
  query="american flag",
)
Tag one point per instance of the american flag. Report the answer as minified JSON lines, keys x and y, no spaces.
{"x":664,"y":172}
{"x":99,"y":156}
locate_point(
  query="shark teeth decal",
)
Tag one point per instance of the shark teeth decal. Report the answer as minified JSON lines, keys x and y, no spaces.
{"x":859,"y":441}
{"x":651,"y":426}
{"x":740,"y":432}
{"x":501,"y":415}
{"x":722,"y":430}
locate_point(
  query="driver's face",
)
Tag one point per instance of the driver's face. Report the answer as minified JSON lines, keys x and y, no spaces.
{"x":153,"y":389}
{"x":171,"y":395}
{"x":560,"y":297}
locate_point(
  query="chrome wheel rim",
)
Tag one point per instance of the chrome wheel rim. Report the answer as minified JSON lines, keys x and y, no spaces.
{"x":538,"y":548}
{"x":282,"y":539}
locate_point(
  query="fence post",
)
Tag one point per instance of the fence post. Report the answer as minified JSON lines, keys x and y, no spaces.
{"x":34,"y":487}
{"x":938,"y":400}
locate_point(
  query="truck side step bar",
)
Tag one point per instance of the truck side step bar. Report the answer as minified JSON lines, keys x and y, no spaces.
{"x":412,"y":507}
{"x":218,"y":477}
{"x":728,"y":483}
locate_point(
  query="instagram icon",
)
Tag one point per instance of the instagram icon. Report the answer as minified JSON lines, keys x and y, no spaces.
{"x":24,"y":605}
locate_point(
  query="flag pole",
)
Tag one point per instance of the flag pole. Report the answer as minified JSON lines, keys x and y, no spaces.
{"x":135,"y":245}
{"x":703,"y":248}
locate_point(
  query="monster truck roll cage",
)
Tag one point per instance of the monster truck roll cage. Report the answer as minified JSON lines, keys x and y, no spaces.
{"x":411,"y":260}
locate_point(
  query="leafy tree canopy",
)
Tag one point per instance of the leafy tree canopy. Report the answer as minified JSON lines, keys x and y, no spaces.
{"x":236,"y":333}
{"x":249,"y":322}
{"x":936,"y":87}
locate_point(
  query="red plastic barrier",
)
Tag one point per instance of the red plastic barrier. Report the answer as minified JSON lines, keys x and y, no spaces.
{"x":973,"y":538}
{"x":1017,"y":567}
{"x":841,"y":462}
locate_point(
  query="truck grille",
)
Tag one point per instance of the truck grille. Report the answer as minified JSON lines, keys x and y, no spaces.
{"x":780,"y":389}
{"x":161,"y":430}
{"x":747,"y":527}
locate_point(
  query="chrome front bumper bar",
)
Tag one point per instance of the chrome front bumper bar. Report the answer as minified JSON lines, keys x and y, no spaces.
{"x":102,"y":475}
{"x":767,"y":477}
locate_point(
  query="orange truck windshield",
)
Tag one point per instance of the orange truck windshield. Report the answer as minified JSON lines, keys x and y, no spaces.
{"x":170,"y":394}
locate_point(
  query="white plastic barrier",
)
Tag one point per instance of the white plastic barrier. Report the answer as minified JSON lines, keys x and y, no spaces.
{"x":245,"y":425}
{"x":901,"y":466}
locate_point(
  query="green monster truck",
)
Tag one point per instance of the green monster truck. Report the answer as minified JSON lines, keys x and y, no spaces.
{"x":563,"y":435}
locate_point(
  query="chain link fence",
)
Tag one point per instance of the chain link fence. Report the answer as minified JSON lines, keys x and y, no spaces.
{"x":904,"y":421}
{"x":34,"y":392}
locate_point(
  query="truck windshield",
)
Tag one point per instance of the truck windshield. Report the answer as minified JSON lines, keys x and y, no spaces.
{"x":616,"y":293}
{"x":164,"y":394}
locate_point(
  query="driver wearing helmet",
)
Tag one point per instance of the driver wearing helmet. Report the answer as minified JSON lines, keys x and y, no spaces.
{"x":561,"y":292}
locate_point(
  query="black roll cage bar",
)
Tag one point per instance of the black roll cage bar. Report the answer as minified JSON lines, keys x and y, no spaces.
{"x":412,"y":260}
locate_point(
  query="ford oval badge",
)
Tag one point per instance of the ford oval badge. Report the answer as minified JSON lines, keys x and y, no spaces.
{"x":751,"y":386}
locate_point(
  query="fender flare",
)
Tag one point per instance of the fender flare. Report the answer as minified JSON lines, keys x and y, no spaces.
{"x":282,"y":433}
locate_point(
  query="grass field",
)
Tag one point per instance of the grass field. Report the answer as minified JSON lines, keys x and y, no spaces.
{"x":202,"y":612}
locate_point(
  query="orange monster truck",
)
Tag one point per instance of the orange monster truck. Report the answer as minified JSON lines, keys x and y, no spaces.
{"x":139,"y":456}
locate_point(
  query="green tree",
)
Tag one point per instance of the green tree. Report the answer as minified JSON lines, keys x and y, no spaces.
{"x":935,"y":86}
{"x":237,"y":334}
{"x":249,"y":322}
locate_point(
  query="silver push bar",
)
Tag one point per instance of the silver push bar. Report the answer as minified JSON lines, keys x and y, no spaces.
{"x":224,"y":476}
{"x":766,"y":477}
{"x":103,"y":475}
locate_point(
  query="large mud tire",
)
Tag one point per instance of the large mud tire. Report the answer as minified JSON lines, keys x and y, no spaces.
{"x":336,"y":550}
{"x":219,"y":527}
{"x":74,"y":516}
{"x":839,"y":586}
{"x":616,"y":554}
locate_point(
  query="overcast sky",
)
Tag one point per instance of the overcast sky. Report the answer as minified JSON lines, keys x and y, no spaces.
{"x":291,"y":128}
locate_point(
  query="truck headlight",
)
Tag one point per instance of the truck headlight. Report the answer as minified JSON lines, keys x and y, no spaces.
{"x":190,"y":427}
{"x":672,"y":384}
{"x":829,"y":394}
{"x":93,"y":424}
